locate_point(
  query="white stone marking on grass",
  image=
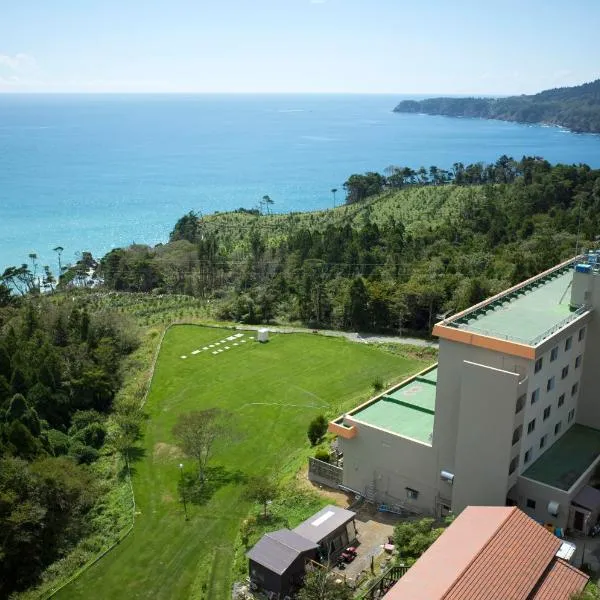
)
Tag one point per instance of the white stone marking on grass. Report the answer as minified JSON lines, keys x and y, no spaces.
{"x":220,"y":350}
{"x":184,"y":357}
{"x":215,"y":352}
{"x":235,"y":344}
{"x":243,"y":341}
{"x":212,"y":346}
{"x":196,"y":352}
{"x":226,"y":347}
{"x":205,"y":348}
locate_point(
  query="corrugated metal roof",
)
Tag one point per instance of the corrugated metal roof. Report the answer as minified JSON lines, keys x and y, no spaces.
{"x":277,"y":550}
{"x":326,"y":521}
{"x":562,"y":580}
{"x":486,"y":554}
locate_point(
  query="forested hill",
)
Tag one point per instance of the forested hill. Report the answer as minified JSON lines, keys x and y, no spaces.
{"x":404,"y":249}
{"x":576,"y":108}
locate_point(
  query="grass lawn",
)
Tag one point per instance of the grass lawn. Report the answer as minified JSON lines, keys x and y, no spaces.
{"x":274,"y":390}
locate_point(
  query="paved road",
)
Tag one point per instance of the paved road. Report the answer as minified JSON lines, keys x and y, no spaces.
{"x":365,"y":338}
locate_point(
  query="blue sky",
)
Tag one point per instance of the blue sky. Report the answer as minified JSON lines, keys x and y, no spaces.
{"x":356,"y":46}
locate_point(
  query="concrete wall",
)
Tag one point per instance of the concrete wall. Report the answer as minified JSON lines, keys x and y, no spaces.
{"x":484,"y":443}
{"x":447,"y":410}
{"x":542,"y":495}
{"x":588,"y":405}
{"x":390,"y":463}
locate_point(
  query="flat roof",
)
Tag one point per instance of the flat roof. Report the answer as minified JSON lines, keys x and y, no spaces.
{"x":407,"y":410}
{"x":324,"y":523}
{"x":567,"y":459}
{"x":525,"y":315}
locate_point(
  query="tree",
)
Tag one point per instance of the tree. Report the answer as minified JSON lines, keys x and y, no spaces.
{"x":197,"y":433}
{"x":321,"y":584}
{"x":59,"y":250}
{"x":268,"y":203}
{"x":333,"y":193}
{"x":317,"y":429}
{"x":412,"y":538}
{"x":261,"y":489}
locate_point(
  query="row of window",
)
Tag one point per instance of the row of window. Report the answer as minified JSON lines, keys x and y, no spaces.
{"x":543,"y":440}
{"x":547,"y":411}
{"x":535,"y":395}
{"x":554,"y":352}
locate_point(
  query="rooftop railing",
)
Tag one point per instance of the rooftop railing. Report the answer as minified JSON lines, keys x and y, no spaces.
{"x":528,"y":341}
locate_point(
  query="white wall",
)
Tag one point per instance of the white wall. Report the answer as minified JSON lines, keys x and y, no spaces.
{"x":484,"y":443}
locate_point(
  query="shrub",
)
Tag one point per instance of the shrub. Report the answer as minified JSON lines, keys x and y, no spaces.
{"x":322,"y":454}
{"x":317,"y":429}
{"x":59,"y":442}
{"x":377,"y":384}
{"x":83,"y":454}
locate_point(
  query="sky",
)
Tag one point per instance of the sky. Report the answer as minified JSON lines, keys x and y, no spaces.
{"x":298,"y":46}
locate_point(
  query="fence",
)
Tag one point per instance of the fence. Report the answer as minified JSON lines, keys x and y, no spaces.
{"x":384,"y":583}
{"x":324,"y":473}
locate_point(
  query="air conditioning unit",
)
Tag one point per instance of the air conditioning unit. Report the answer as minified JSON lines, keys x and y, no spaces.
{"x":448,"y":477}
{"x":553,"y":508}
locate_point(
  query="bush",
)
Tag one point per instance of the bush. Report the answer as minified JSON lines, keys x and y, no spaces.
{"x":377,"y":384}
{"x":322,"y":454}
{"x":317,"y":430}
{"x":59,"y":442}
{"x":83,"y":454}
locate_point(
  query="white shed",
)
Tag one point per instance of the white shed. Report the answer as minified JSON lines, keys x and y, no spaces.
{"x":262,"y":335}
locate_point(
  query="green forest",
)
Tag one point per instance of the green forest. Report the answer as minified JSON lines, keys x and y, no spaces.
{"x":404,"y":249}
{"x":60,"y":368}
{"x":576,"y":108}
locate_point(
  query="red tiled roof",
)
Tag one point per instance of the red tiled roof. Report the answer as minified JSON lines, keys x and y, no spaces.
{"x":486,"y":554}
{"x":561,"y":581}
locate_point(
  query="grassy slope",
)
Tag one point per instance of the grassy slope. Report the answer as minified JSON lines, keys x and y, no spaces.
{"x":415,"y":207}
{"x":275,"y":389}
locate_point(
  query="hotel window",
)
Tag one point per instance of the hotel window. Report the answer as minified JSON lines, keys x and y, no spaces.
{"x":557,"y":428}
{"x":581,"y":334}
{"x":550,"y":384}
{"x":530,"y":503}
{"x":535,"y":396}
{"x":546,"y":412}
{"x":531,"y":426}
{"x":543,"y":440}
{"x":527,"y":456}
{"x":554,"y":354}
{"x":564,"y":372}
{"x":514,"y":463}
{"x":568,"y":343}
{"x":517,"y":434}
{"x":520,"y":403}
{"x":538,"y":365}
{"x":571,"y":415}
{"x":578,"y":362}
{"x":411,"y":494}
{"x":574,"y":388}
{"x":561,"y":400}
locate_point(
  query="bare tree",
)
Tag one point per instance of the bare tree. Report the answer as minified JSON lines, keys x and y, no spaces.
{"x":199,"y":432}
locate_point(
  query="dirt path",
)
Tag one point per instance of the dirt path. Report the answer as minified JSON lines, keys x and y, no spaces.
{"x":365,"y":338}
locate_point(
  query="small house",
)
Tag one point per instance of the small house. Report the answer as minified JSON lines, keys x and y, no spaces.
{"x":332,"y":529}
{"x":277,"y":561}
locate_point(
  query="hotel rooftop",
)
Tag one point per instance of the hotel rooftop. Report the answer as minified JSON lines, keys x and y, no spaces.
{"x":568,"y":459}
{"x":407,"y":409}
{"x":520,"y":318}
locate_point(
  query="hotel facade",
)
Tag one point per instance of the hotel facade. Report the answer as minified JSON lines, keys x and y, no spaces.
{"x":509,"y":415}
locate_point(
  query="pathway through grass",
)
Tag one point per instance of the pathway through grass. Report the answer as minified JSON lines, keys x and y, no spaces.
{"x":274,"y":389}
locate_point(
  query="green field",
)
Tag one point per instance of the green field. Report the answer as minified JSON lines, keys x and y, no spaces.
{"x":274,"y":389}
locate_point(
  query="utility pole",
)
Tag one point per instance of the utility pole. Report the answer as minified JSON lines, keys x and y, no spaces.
{"x":333,"y":191}
{"x":183,"y":490}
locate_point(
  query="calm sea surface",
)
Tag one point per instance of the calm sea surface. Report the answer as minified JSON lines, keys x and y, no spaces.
{"x":98,"y":172}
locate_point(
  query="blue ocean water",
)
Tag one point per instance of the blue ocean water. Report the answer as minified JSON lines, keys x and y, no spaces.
{"x":98,"y":172}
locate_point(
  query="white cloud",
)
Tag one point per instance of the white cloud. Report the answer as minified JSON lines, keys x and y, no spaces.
{"x":17,"y":63}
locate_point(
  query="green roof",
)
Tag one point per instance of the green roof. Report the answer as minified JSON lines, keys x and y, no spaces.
{"x":407,"y":410}
{"x":527,"y":315}
{"x":566,"y":460}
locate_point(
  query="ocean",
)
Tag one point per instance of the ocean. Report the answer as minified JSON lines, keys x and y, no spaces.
{"x":91,"y":173}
